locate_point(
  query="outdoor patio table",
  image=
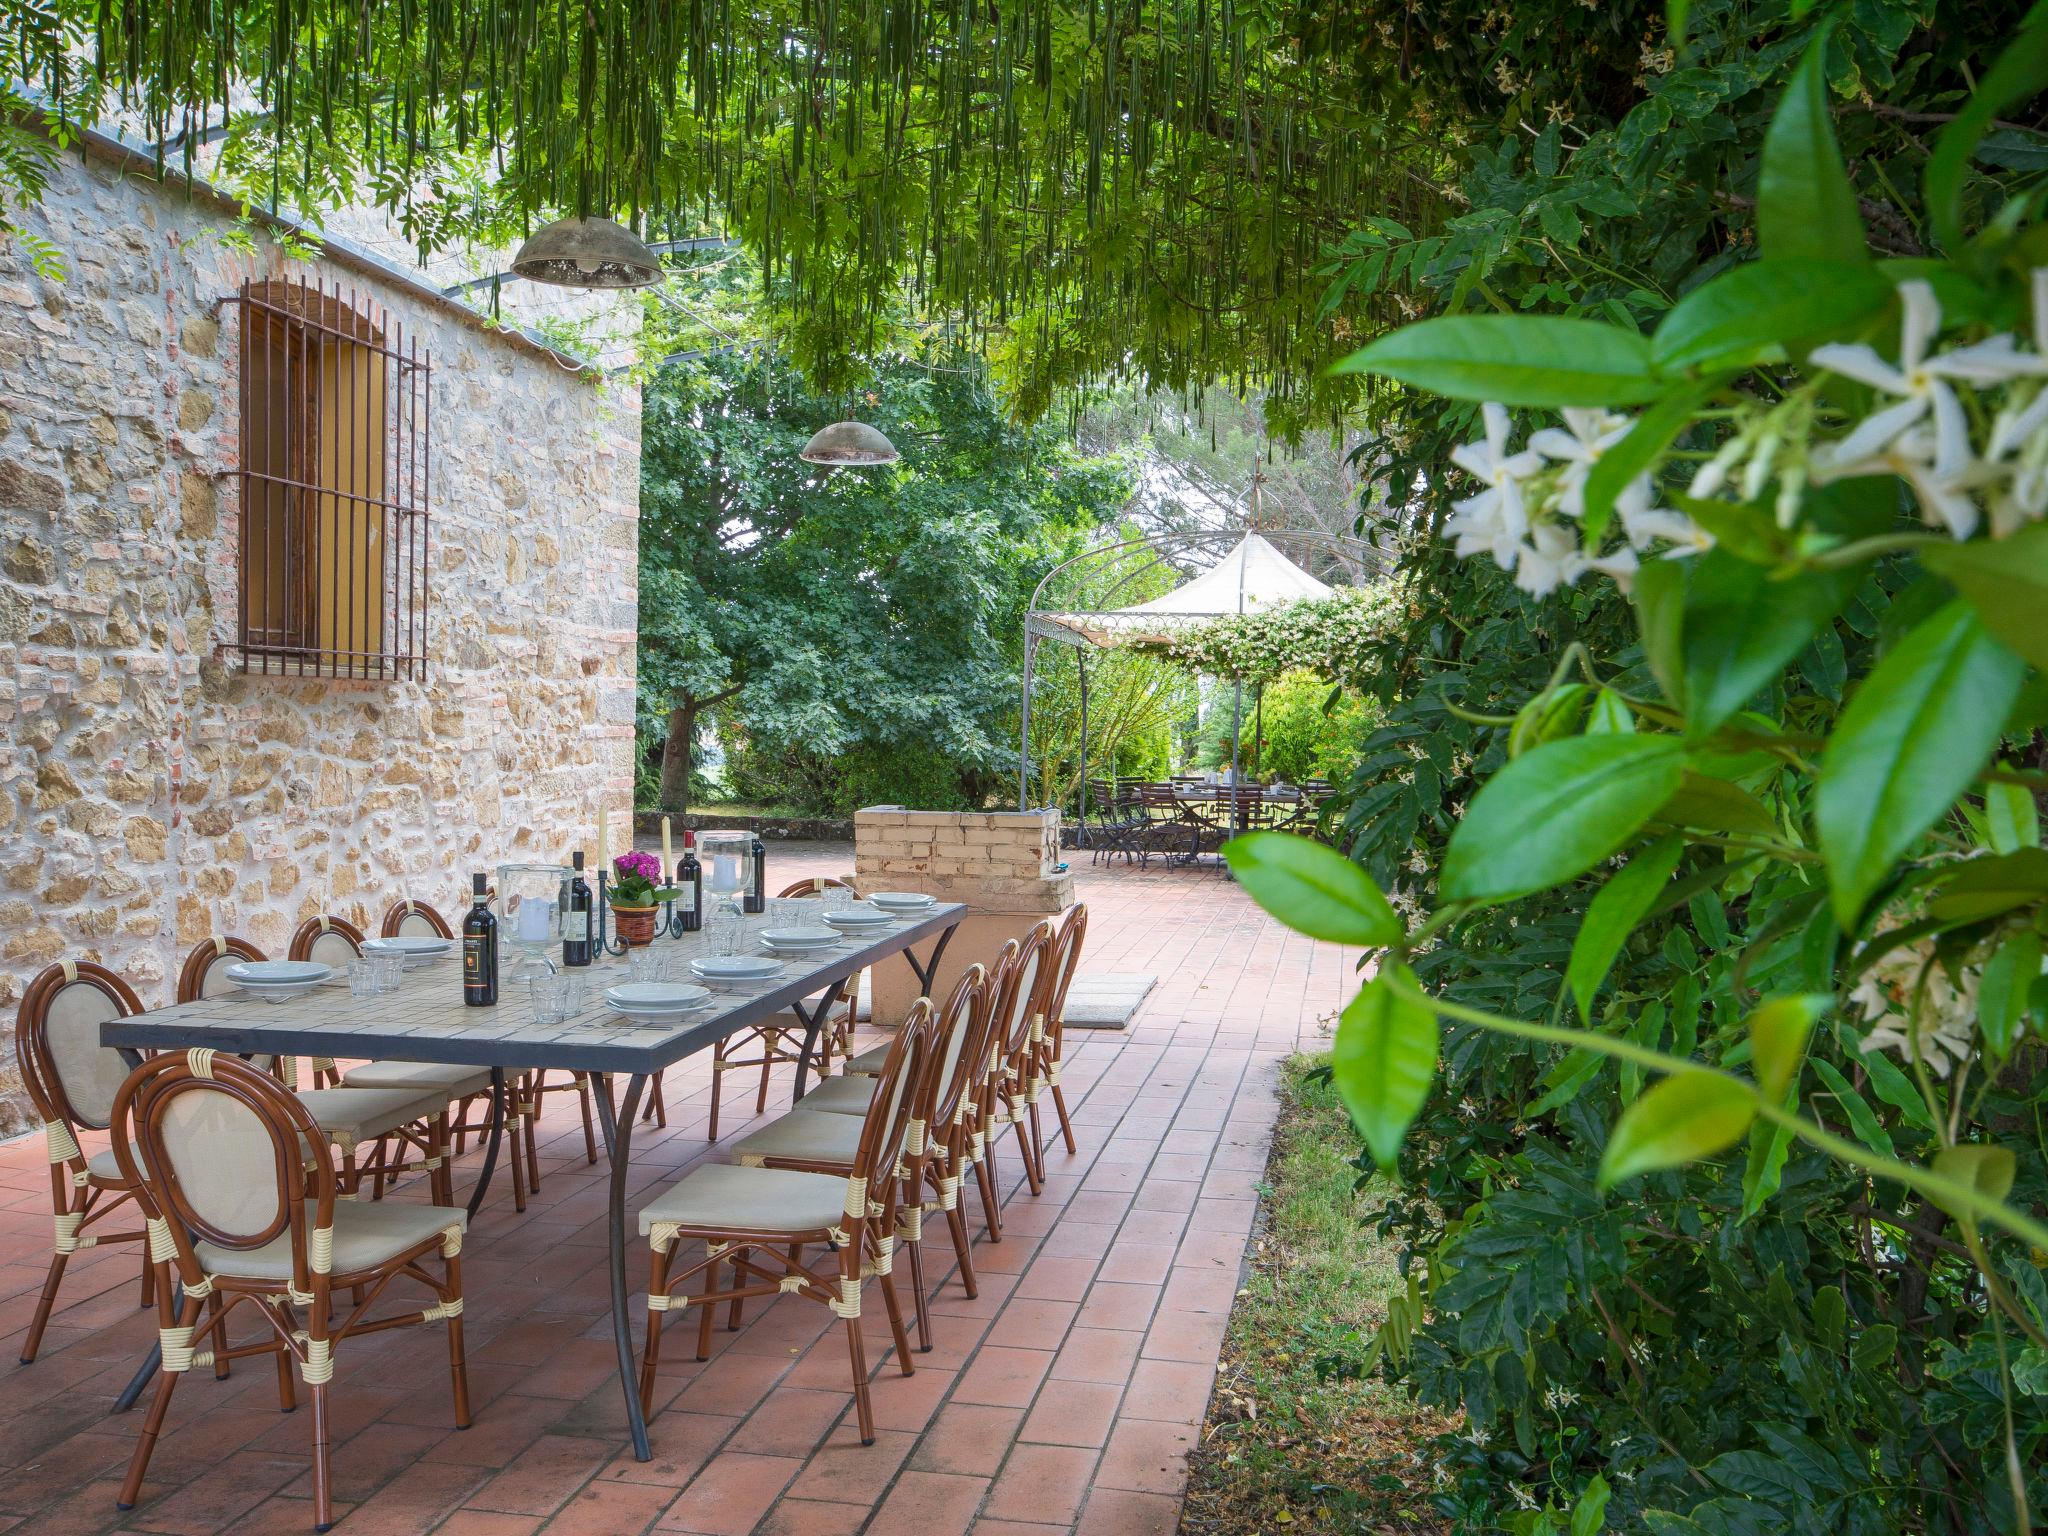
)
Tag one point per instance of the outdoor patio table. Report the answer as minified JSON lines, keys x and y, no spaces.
{"x":426,"y":1020}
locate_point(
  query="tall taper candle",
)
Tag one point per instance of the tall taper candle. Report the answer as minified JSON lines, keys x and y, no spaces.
{"x":668,"y":857}
{"x":601,"y":849}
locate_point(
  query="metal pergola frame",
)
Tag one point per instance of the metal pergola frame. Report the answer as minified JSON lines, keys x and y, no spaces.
{"x":1041,"y":623}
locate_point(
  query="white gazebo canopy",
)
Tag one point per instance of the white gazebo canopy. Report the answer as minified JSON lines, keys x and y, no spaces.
{"x":1253,"y":576}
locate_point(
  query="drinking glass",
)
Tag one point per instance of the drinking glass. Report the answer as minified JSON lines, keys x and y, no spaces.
{"x":796,"y":911}
{"x":550,"y":998}
{"x":839,"y":897}
{"x":387,"y":970}
{"x":646,"y":963}
{"x":728,"y":929}
{"x":362,"y":978}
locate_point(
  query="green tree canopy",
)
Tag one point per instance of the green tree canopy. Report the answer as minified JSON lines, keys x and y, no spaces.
{"x":834,"y":608}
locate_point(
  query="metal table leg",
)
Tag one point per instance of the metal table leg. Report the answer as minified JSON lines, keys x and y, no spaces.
{"x":483,"y":1177}
{"x":618,"y":1145}
{"x":814,"y":1019}
{"x":145,"y":1371}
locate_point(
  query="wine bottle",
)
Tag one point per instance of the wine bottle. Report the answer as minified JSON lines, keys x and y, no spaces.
{"x":690,"y":886}
{"x":756,"y":899}
{"x":480,"y":950}
{"x":579,"y":928}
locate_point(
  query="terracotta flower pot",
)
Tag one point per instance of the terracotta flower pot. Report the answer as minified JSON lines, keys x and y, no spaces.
{"x":636,"y":924}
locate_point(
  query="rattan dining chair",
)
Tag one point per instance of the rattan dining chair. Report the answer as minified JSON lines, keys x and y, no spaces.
{"x":409,"y":919}
{"x":335,"y":942}
{"x":759,"y":1220}
{"x":1004,"y":1099}
{"x":205,"y":974}
{"x":779,"y":1040}
{"x":1048,"y":1031}
{"x":948,"y":1112}
{"x":815,"y":1140}
{"x":72,"y":1081}
{"x":238,"y":1184}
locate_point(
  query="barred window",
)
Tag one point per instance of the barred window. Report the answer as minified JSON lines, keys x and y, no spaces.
{"x":335,"y":441}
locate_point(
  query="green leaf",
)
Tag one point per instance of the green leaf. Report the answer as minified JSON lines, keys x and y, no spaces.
{"x":1612,"y":916}
{"x":1556,"y":811}
{"x":1805,"y":205}
{"x":1911,"y":739}
{"x":2012,"y":817}
{"x":2006,"y":581}
{"x":1638,"y":450}
{"x":1312,"y":889}
{"x":2018,"y":74}
{"x":1741,"y":628}
{"x":1383,"y":1061}
{"x":1528,"y":360}
{"x":1777,"y":1040}
{"x":1764,"y":1170}
{"x":1714,"y":805}
{"x":1863,"y":1120}
{"x":1874,"y":1347}
{"x":1566,"y":1081}
{"x":1984,"y":888}
{"x":1689,"y":1115}
{"x":1610,"y":715}
{"x":2002,"y":989}
{"x":1890,"y":1083}
{"x":1589,"y":1516}
{"x":1986,"y":1168}
{"x":1752,"y":313}
{"x":1660,"y":616}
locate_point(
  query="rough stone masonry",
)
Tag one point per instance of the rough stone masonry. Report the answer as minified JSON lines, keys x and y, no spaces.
{"x":151,"y":794}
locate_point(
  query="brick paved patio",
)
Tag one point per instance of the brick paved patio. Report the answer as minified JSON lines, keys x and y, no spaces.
{"x":1064,"y":1398}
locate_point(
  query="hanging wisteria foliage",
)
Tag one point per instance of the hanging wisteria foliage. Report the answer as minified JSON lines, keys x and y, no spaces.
{"x":1089,"y":186}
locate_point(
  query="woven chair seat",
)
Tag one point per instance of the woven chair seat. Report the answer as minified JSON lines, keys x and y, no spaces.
{"x":798,"y":1137}
{"x":719,"y":1197}
{"x":840,"y":1096}
{"x":869,"y":1062}
{"x":365,"y":1236}
{"x":455,"y":1082}
{"x":353,"y":1116}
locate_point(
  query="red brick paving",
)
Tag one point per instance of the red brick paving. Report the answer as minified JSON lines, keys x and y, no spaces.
{"x":1063,"y":1399}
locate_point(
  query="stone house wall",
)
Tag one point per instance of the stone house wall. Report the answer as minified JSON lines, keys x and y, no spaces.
{"x":152,"y":794}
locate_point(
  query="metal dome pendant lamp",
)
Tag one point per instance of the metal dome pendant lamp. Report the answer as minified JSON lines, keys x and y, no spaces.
{"x":848,"y":444}
{"x":580,"y":252}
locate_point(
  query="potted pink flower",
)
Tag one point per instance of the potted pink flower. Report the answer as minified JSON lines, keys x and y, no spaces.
{"x":635,"y":893}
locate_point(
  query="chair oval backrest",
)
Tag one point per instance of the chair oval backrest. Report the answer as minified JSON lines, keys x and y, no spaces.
{"x":330,"y":940}
{"x":1066,"y":960}
{"x":887,"y":1124}
{"x":409,"y":919}
{"x":57,"y":1039}
{"x":1020,"y":990}
{"x":221,"y":1150}
{"x":951,"y":1067}
{"x":205,"y":970}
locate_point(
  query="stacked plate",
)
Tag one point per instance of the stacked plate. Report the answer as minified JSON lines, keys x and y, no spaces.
{"x":859,"y":918}
{"x":902,"y":903}
{"x":798,"y":941}
{"x":656,"y":1002}
{"x":413,"y":949}
{"x":731,"y":969}
{"x":277,"y":980}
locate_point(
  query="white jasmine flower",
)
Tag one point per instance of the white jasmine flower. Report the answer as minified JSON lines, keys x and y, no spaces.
{"x":1920,"y":382}
{"x":1586,"y":435}
{"x":1522,"y":1497}
{"x":1903,"y":981}
{"x":1559,"y":1397}
{"x":1915,"y":456}
{"x":1479,"y":1436}
{"x":1494,"y":521}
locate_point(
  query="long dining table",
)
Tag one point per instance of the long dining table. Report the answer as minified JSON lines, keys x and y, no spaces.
{"x":426,"y":1020}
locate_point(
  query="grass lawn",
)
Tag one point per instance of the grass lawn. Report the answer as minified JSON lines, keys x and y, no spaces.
{"x":1283,"y":1449}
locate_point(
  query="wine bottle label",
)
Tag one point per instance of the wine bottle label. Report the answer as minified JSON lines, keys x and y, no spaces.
{"x":476,"y":965}
{"x":686,"y":894}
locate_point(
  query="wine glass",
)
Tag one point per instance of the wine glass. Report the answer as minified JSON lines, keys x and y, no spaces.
{"x":531,"y":914}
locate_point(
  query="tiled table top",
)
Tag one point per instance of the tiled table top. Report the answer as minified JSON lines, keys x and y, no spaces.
{"x":1064,"y":1398}
{"x":427,"y":1020}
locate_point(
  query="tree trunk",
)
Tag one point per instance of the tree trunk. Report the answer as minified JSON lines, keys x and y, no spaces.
{"x":676,"y":756}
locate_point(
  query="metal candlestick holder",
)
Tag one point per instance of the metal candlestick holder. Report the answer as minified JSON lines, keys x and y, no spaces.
{"x":605,"y":943}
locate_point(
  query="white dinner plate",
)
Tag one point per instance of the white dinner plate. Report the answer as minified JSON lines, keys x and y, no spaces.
{"x":860,"y":917}
{"x":409,"y":944}
{"x":900,"y":901}
{"x":735,"y":967}
{"x":799,"y":938}
{"x":656,"y":996}
{"x":277,"y":973}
